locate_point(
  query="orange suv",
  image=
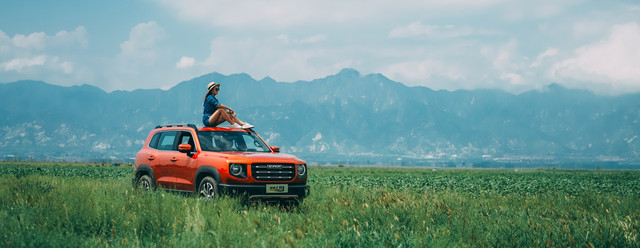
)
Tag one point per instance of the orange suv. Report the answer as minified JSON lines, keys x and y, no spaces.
{"x":215,"y":160}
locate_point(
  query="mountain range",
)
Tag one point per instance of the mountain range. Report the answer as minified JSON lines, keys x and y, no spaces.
{"x":347,"y":116}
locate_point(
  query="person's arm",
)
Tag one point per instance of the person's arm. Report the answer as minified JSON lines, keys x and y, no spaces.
{"x":227,"y":108}
{"x":218,"y":104}
{"x":223,"y":107}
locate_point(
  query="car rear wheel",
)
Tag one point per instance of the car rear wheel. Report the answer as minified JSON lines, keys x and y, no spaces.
{"x":208,"y":188}
{"x":145,"y":183}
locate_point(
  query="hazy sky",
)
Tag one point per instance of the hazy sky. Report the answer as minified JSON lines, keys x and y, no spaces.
{"x":455,"y":44}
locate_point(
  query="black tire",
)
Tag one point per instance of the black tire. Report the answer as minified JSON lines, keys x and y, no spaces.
{"x":208,"y":188}
{"x":145,"y":183}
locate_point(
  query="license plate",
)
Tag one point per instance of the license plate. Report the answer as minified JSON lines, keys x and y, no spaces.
{"x":277,"y":188}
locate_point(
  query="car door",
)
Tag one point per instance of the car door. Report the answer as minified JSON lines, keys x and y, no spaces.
{"x":149,"y":156}
{"x":185,"y":168}
{"x":166,"y":158}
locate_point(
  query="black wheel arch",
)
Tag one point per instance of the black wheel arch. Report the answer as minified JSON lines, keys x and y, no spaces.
{"x":145,"y":170}
{"x":203,"y":172}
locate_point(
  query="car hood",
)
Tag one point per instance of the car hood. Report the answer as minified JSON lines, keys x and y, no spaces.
{"x":257,"y":157}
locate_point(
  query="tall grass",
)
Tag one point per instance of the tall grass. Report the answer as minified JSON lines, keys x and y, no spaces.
{"x":364,"y":207}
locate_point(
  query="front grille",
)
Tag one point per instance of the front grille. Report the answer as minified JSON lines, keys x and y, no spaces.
{"x":273,"y":172}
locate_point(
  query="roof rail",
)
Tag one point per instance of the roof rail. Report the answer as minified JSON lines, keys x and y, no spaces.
{"x":178,"y":125}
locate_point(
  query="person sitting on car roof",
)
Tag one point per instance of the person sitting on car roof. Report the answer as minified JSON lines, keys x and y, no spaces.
{"x":215,"y":113}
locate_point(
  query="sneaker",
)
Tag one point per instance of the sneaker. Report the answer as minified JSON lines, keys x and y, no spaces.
{"x":235,"y":125}
{"x":247,"y":126}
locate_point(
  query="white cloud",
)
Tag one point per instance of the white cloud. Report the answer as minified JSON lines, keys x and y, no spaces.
{"x":38,"y":64}
{"x":278,"y":13}
{"x":413,"y":29}
{"x":445,"y":31}
{"x":512,"y":78}
{"x":588,"y":28}
{"x":299,"y":64}
{"x":18,"y":64}
{"x":420,"y":72}
{"x":65,"y":66}
{"x":142,"y":60}
{"x":39,"y":55}
{"x":609,"y":65}
{"x":224,"y":48}
{"x":509,"y":69}
{"x":548,"y":53}
{"x":66,"y":38}
{"x":469,"y":44}
{"x":34,"y":40}
{"x":289,"y":13}
{"x":309,"y":40}
{"x":439,"y":44}
{"x":185,"y":62}
{"x":5,"y":43}
{"x":277,"y":57}
{"x":506,"y":57}
{"x":312,"y":39}
{"x":4,"y":37}
{"x":39,"y":41}
{"x":142,"y":40}
{"x":284,"y":38}
{"x":520,"y":10}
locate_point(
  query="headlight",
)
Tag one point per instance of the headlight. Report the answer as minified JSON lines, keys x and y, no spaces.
{"x":302,"y":170}
{"x":238,"y":170}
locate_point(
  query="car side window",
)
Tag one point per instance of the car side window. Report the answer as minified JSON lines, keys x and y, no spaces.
{"x":154,"y":141}
{"x":186,"y":138}
{"x":167,"y":141}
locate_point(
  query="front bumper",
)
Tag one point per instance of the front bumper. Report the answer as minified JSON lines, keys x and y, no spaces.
{"x":259,"y":191}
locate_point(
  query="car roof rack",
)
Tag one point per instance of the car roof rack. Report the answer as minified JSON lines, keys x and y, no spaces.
{"x":178,"y":125}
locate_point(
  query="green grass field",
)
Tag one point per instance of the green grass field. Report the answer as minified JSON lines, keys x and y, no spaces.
{"x":70,"y":206}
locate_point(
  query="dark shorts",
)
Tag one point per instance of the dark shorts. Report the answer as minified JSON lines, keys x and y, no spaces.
{"x":205,"y":120}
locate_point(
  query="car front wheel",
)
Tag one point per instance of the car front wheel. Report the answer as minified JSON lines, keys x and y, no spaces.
{"x":208,"y":188}
{"x":145,"y":183}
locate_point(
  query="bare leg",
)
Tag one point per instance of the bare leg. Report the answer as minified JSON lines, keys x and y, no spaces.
{"x":236,"y":120}
{"x":232,"y":116}
{"x":216,"y":122}
{"x":220,"y":116}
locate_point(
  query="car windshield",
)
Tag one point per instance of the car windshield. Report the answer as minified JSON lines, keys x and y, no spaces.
{"x":231,"y":141}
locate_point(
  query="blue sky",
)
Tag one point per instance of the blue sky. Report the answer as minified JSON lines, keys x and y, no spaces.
{"x":460,"y":44}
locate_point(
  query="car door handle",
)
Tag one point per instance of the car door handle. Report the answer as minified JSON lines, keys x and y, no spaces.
{"x":174,"y":159}
{"x":151,"y":157}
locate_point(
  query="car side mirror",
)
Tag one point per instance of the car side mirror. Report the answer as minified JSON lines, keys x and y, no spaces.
{"x":275,"y":149}
{"x":184,"y":148}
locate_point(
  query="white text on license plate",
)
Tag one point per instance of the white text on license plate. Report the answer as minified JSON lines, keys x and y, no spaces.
{"x":277,"y":188}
